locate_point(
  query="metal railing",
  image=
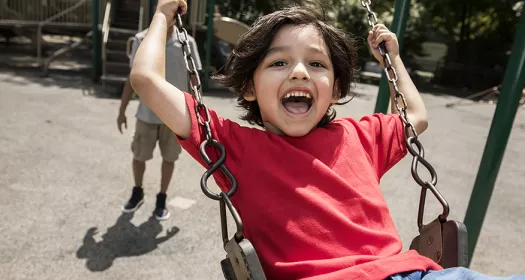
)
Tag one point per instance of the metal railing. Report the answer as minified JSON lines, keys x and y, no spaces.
{"x":105,"y":34}
{"x":38,"y":10}
{"x":63,"y":14}
{"x":64,"y":50}
{"x":141,"y":16}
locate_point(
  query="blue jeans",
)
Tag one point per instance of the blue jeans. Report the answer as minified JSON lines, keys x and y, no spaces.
{"x":457,"y":273}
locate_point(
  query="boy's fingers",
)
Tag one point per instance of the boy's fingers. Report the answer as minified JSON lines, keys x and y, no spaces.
{"x":383,"y":37}
{"x":370,"y":37}
{"x":378,"y":39}
{"x":379,"y":26}
{"x":183,"y":6}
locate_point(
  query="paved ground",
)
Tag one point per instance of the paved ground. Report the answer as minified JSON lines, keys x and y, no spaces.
{"x":65,"y":171}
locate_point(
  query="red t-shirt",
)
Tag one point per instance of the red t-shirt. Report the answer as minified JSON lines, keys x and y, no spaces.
{"x":312,"y":206}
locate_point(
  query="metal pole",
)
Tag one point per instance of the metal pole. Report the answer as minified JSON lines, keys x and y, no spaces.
{"x":209,"y":38}
{"x":401,"y":14}
{"x":508,"y":103}
{"x":97,"y":53}
{"x":152,"y":5}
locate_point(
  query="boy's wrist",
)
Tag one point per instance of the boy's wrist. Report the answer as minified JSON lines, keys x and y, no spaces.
{"x":165,"y":16}
{"x":396,"y":60}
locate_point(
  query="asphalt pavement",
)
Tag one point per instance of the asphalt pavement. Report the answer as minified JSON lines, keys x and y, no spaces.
{"x":65,"y":171}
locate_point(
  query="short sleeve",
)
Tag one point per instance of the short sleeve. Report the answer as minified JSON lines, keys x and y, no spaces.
{"x":384,"y":140}
{"x":135,"y":46}
{"x":195,"y":54}
{"x":230,"y":134}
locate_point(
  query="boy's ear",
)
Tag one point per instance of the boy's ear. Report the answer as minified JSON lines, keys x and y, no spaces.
{"x":249,"y":92}
{"x":336,"y":92}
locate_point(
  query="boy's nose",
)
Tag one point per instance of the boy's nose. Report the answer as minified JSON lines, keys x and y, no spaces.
{"x":300,"y":73}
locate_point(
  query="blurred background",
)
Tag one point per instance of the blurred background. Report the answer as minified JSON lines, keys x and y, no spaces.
{"x":462,"y":45}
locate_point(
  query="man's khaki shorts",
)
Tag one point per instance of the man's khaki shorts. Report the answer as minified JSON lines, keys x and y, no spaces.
{"x":145,"y":139}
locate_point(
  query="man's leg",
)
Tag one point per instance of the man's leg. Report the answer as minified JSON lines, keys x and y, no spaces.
{"x":139,"y":167}
{"x":165,"y":175}
{"x":170,"y":150}
{"x":144,"y":141}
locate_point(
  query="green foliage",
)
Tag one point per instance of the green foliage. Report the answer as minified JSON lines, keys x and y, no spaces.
{"x":248,"y":11}
{"x":479,"y":34}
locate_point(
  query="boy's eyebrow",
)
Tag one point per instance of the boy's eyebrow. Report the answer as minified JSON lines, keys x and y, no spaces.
{"x":277,"y":49}
{"x":288,"y":48}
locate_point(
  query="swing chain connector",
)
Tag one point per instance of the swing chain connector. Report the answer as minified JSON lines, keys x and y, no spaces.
{"x":203,"y":117}
{"x":226,"y":202}
{"x":443,"y":216}
{"x":414,"y":146}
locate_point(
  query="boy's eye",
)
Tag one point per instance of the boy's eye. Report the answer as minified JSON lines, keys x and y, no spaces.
{"x":278,"y":64}
{"x":316,"y":64}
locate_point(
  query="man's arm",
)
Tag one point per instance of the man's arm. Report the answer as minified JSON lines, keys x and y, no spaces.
{"x":127,"y":92}
{"x":148,"y":72}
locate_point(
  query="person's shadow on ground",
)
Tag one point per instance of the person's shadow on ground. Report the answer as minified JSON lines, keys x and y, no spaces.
{"x":124,"y":239}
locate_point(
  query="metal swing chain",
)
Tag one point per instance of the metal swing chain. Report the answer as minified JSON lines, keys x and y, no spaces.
{"x":203,"y":117}
{"x":414,"y":146}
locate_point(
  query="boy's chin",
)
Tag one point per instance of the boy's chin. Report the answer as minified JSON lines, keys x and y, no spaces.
{"x":294,"y":129}
{"x":298,"y":130}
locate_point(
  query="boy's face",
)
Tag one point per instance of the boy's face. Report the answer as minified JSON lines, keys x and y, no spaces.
{"x":294,"y":83}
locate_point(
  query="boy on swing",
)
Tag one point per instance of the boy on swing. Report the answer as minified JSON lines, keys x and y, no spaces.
{"x":308,"y":191}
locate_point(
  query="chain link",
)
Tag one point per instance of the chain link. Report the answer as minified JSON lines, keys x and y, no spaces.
{"x":204,"y":120}
{"x":414,"y":146}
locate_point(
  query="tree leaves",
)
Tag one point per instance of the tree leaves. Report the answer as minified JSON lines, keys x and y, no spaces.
{"x":478,"y":33}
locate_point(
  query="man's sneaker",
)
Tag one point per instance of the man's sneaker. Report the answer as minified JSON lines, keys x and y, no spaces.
{"x":161,"y":212}
{"x":136,"y":200}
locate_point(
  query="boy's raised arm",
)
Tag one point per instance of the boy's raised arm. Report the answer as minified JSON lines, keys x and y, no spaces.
{"x":416,"y":110}
{"x":148,"y":72}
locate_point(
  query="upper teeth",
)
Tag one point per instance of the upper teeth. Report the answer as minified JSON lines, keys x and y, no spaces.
{"x":298,"y":93}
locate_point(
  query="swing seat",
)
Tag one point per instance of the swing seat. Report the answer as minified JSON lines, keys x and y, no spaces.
{"x":241,"y":262}
{"x":443,"y":242}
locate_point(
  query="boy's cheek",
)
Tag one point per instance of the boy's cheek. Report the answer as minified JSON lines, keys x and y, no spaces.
{"x":325,"y":84}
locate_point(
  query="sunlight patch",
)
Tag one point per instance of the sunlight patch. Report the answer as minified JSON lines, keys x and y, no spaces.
{"x":181,"y":202}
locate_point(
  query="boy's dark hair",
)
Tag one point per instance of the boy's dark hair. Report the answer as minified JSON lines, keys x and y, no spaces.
{"x":253,"y":46}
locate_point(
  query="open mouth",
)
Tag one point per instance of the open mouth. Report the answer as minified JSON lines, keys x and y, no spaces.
{"x":297,"y":102}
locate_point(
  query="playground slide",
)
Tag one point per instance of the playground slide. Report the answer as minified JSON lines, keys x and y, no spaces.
{"x":228,"y":29}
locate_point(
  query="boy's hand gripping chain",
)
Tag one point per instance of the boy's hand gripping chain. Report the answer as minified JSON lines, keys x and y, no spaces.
{"x":434,"y":235}
{"x":242,"y":261}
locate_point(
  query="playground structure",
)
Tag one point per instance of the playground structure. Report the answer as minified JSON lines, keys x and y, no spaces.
{"x":107,"y":26}
{"x":487,"y":96}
